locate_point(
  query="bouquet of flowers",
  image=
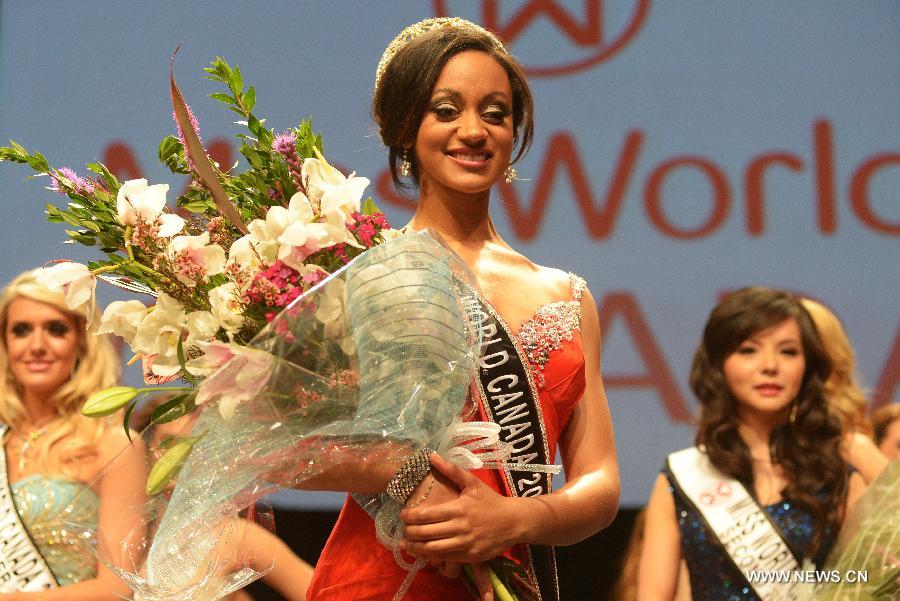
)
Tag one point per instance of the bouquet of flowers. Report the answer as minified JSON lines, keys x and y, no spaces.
{"x":239,"y":248}
{"x":267,"y":307}
{"x":286,"y":302}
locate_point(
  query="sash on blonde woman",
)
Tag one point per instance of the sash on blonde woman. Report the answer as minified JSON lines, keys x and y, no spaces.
{"x":22,"y":568}
{"x":740,"y":525}
{"x":510,"y":399}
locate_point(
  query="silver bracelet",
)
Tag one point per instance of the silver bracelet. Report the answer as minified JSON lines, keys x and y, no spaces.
{"x":409,"y":476}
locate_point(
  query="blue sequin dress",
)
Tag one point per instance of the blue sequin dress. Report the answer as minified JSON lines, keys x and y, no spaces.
{"x":47,"y":506}
{"x":713,"y":575}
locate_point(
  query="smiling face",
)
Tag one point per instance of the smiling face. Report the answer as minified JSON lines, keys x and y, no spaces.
{"x":42,"y":346}
{"x":465,"y":139}
{"x":766,"y":371}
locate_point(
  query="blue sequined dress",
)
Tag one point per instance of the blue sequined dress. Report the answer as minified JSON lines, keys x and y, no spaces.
{"x":713,"y":575}
{"x":47,"y":505}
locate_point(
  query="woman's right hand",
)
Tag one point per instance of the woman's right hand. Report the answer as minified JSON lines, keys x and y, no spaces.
{"x":436,"y":489}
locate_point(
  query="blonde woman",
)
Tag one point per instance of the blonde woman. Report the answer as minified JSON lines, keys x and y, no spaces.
{"x":886,"y":423}
{"x":52,"y":465}
{"x":845,"y":396}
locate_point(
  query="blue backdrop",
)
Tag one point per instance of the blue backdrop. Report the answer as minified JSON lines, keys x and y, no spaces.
{"x":683,"y":149}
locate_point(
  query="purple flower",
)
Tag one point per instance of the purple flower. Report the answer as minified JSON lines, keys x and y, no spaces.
{"x":80,"y":185}
{"x":285,"y":144}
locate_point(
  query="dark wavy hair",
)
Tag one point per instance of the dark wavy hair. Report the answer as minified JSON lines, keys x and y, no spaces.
{"x":404,"y":91}
{"x":806,"y":447}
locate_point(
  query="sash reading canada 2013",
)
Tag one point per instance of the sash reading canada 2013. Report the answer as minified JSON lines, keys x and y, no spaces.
{"x":510,"y":400}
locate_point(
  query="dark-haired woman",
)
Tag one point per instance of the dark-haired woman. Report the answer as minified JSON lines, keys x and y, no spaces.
{"x":766,"y":488}
{"x":455,"y":111}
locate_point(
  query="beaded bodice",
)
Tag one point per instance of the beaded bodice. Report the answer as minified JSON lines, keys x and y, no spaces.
{"x":48,"y":507}
{"x":713,"y":575}
{"x":551,"y":326}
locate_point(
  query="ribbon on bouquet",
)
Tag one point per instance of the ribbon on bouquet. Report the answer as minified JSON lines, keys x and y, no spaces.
{"x":477,"y":445}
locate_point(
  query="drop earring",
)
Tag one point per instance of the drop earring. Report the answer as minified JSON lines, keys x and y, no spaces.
{"x":405,"y":165}
{"x":510,"y":174}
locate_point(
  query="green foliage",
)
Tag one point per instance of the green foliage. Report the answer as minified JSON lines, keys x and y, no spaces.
{"x":171,"y":154}
{"x":93,"y":217}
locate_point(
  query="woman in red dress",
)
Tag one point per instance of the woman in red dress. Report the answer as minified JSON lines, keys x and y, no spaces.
{"x":455,"y":111}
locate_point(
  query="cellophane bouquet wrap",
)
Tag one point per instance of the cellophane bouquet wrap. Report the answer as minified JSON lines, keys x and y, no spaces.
{"x":368,"y":367}
{"x":866,"y":557}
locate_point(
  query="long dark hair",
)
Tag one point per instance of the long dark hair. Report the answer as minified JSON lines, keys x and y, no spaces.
{"x":806,"y":447}
{"x":404,"y":90}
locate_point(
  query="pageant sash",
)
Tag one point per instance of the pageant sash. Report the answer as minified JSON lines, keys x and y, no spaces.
{"x":742,"y":528}
{"x":22,"y":568}
{"x":510,"y":399}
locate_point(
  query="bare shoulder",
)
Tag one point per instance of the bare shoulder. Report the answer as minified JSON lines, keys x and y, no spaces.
{"x":557,"y":281}
{"x":115,"y":442}
{"x":860,"y":451}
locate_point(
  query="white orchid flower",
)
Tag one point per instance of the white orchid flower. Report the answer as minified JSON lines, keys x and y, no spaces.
{"x":137,"y":201}
{"x":75,"y":280}
{"x":340,"y":201}
{"x":208,"y":258}
{"x":304,"y":237}
{"x":122,"y":318}
{"x":226,"y":307}
{"x":320,"y":178}
{"x":249,"y":252}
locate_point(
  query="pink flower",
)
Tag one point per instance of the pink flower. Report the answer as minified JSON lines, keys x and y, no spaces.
{"x":240,"y":373}
{"x":196,"y":127}
{"x":275,"y":286}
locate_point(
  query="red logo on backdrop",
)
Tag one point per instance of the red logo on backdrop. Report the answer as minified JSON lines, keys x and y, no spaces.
{"x":590,"y":41}
{"x":718,"y":492}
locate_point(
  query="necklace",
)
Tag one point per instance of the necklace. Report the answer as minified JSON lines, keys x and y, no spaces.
{"x":28,"y":442}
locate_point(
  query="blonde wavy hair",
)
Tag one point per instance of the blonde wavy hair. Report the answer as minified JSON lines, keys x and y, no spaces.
{"x":97,"y":367}
{"x":844,"y":393}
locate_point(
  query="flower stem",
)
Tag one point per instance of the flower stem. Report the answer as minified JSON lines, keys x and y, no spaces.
{"x":501,"y":593}
{"x":166,"y":388}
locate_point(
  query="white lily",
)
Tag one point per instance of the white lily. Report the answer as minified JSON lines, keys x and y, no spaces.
{"x":137,"y":201}
{"x":226,"y":307}
{"x":210,"y":258}
{"x":165,"y":325}
{"x":122,"y":318}
{"x":75,"y":280}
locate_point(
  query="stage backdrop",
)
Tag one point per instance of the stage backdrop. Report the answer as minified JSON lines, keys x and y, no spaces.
{"x":683,"y":149}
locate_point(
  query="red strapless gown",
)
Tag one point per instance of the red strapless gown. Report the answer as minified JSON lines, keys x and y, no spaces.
{"x":354,"y":566}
